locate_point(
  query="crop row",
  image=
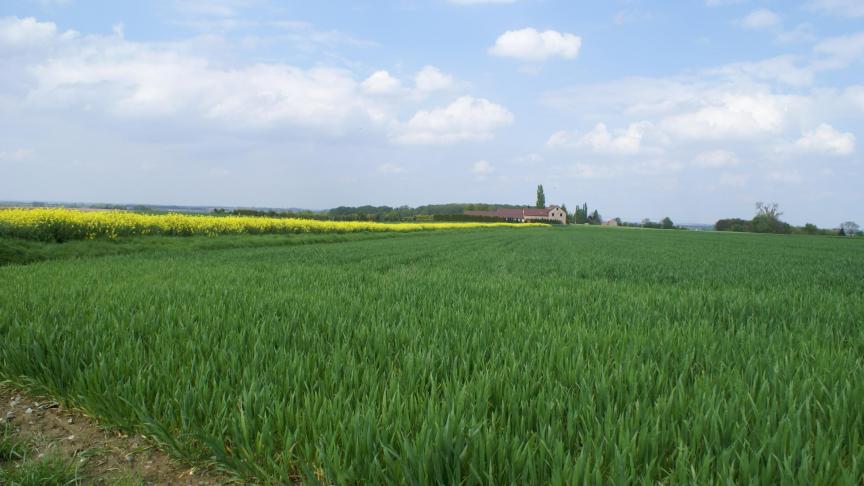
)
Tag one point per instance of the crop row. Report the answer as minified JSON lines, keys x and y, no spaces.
{"x":572,"y":356}
{"x":65,"y":224}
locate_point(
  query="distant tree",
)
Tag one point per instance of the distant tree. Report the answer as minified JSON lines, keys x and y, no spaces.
{"x":770,"y":211}
{"x":541,"y":197}
{"x":767,"y":219}
{"x":667,"y":223}
{"x":849,"y":228}
{"x":618,"y":220}
{"x":810,"y":229}
{"x":580,"y":216}
{"x":595,"y":218}
{"x":842,"y":232}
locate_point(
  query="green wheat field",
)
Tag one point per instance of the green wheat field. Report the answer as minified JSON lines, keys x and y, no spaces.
{"x":489,"y":356}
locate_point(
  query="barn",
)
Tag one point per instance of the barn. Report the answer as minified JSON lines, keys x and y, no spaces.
{"x":552,"y":213}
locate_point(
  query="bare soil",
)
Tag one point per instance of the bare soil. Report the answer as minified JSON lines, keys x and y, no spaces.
{"x":103,"y":456}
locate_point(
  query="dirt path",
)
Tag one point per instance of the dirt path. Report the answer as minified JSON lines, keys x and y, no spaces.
{"x":103,"y":457}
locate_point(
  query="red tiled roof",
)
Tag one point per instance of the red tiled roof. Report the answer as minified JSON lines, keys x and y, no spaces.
{"x":509,"y":213}
{"x":513,"y":213}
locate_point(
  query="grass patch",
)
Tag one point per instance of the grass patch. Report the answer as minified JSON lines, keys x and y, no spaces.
{"x":15,"y":251}
{"x":12,"y":447}
{"x":46,"y":471}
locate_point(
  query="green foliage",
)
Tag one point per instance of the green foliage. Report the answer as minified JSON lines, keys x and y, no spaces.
{"x":15,"y":251}
{"x":51,"y":470}
{"x":850,"y":228}
{"x":12,"y":448}
{"x":554,"y":356}
{"x":767,"y":220}
{"x":666,"y":223}
{"x":733,"y":224}
{"x":580,"y":216}
{"x":541,"y":197}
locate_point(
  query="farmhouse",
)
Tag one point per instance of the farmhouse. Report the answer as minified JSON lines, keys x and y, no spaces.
{"x":552,"y":213}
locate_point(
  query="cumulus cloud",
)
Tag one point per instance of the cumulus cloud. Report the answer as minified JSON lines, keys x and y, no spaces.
{"x":114,"y":77}
{"x":28,"y":33}
{"x":825,"y":140}
{"x":431,"y":79}
{"x":600,"y":140}
{"x":732,"y":116}
{"x":382,"y":83}
{"x":531,"y":45}
{"x":466,"y":119}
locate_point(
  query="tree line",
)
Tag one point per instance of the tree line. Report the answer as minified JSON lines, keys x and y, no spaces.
{"x":767,"y":220}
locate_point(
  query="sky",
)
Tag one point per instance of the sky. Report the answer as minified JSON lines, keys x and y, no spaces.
{"x":692,"y":109}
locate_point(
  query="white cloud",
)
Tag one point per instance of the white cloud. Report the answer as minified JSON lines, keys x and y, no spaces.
{"x":845,"y":8}
{"x":601,"y":141}
{"x":382,"y":83}
{"x":732,"y":116}
{"x":716,"y":159}
{"x":827,"y":140}
{"x":761,"y":19}
{"x":784,"y":69}
{"x":27,"y":33}
{"x":114,"y":77}
{"x":531,"y":45}
{"x":482,"y":168}
{"x":840,"y":52}
{"x":431,"y":79}
{"x":466,"y":119}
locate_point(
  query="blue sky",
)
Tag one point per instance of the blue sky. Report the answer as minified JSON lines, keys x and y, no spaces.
{"x":694,"y":109}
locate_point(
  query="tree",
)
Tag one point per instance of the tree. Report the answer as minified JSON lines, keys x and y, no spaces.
{"x":580,"y":216}
{"x":541,"y":197}
{"x":767,"y":219}
{"x":849,"y":228}
{"x":667,"y":223}
{"x":595,"y":218}
{"x":770,"y":211}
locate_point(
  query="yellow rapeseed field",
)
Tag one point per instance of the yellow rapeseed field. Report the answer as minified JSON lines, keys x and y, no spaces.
{"x":60,"y":224}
